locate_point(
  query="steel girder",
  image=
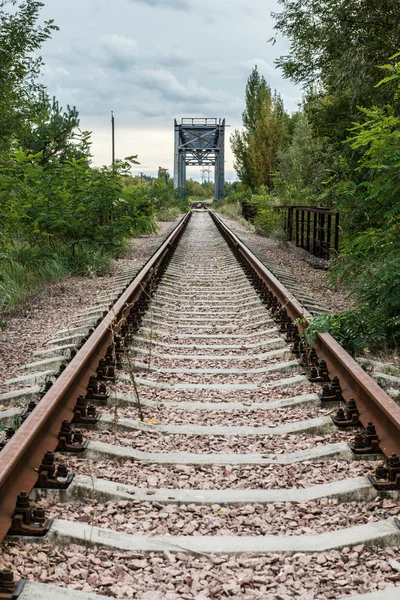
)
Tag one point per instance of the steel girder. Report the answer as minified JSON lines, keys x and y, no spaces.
{"x":200,"y":142}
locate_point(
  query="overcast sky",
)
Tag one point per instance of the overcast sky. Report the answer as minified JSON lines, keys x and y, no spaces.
{"x":151,"y":61}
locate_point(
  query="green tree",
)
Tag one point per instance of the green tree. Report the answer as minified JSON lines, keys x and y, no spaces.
{"x":264,"y":133}
{"x":301,"y":165}
{"x":336,"y":48}
{"x":194,"y":189}
{"x":20,"y":41}
{"x":369,"y":201}
{"x":55,"y":133}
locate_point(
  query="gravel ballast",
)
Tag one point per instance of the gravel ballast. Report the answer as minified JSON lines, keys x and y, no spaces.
{"x":209,"y":477}
{"x":277,"y":518}
{"x":166,"y":576}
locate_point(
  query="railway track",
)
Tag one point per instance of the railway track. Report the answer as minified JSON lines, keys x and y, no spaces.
{"x":187,"y":449}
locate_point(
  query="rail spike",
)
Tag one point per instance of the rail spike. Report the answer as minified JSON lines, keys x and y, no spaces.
{"x":9,"y":588}
{"x":97,"y":391}
{"x":70,"y":440}
{"x":366,"y":442}
{"x":387,"y":477}
{"x":27,"y":520}
{"x":84,"y":413}
{"x":348,"y":416}
{"x":52,"y":476}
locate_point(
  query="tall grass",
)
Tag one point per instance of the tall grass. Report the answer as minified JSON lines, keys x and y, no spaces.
{"x":169,"y":213}
{"x":25,"y":270}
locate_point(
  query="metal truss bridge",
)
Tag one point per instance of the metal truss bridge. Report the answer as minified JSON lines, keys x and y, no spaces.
{"x":200,"y":142}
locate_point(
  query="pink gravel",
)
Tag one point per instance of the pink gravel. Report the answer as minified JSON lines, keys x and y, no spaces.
{"x":167,"y":576}
{"x":170,"y":337}
{"x":235,"y":353}
{"x":278,"y":518}
{"x":233,"y":363}
{"x":246,"y":396}
{"x":208,"y":477}
{"x":254,"y":418}
{"x":243,"y":378}
{"x":213,"y":444}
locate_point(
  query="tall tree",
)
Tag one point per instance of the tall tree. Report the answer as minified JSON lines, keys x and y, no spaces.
{"x":20,"y":40}
{"x":301,"y":165}
{"x":336,"y":49}
{"x":264,"y":131}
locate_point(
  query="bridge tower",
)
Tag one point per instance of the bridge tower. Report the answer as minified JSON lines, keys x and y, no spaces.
{"x":201,"y":142}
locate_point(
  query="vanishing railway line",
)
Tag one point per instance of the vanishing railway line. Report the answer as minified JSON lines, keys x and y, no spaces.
{"x":199,"y":427}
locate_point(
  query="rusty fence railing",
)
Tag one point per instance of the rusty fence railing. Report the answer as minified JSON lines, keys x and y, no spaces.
{"x":249,"y":211}
{"x":314,"y":228}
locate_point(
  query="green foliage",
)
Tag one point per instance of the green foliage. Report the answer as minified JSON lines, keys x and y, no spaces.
{"x":55,"y":133}
{"x":194,"y":189}
{"x":169,"y":213}
{"x":265,"y":132}
{"x":268,"y":220}
{"x":355,"y":329}
{"x":69,"y":201}
{"x":20,"y":41}
{"x":58,"y":215}
{"x":153,"y":199}
{"x":28,"y":268}
{"x":337,"y":49}
{"x":301,"y":166}
{"x":369,"y":263}
{"x":237,"y":192}
{"x":337,"y":46}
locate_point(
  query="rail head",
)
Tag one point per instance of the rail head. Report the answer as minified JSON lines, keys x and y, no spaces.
{"x":23,"y":454}
{"x":373,"y":402}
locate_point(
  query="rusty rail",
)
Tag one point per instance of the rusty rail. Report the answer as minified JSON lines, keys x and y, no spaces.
{"x":372,"y":401}
{"x":39,"y":433}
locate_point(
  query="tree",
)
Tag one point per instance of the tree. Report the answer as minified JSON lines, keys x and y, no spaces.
{"x":336,"y":48}
{"x":369,"y":202}
{"x":194,"y":189}
{"x":163,"y":174}
{"x":55,"y":133}
{"x":20,"y":40}
{"x":301,"y":165}
{"x":268,"y":138}
{"x":264,"y":133}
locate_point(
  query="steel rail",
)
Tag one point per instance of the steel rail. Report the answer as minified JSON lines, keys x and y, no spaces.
{"x":39,"y":433}
{"x":372,"y":401}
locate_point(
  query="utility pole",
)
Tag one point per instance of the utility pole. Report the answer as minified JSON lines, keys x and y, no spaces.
{"x":112,"y":139}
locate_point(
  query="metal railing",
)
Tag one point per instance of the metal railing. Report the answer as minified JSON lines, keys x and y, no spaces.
{"x":314,"y":228}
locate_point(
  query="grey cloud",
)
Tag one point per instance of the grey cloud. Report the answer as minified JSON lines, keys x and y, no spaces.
{"x":192,"y":94}
{"x":121,"y":52}
{"x":169,"y":87}
{"x":170,"y":57}
{"x":174,"y":4}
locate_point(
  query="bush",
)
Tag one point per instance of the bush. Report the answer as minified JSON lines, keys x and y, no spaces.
{"x":355,"y":329}
{"x":169,"y":213}
{"x":268,"y":221}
